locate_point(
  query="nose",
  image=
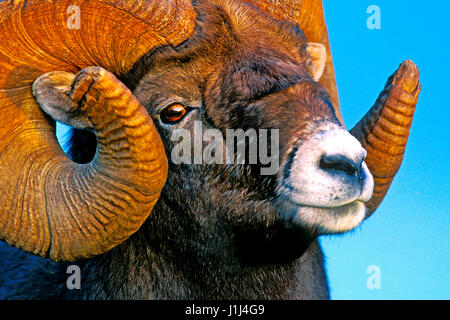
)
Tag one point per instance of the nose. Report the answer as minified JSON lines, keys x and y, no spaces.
{"x":341,"y":153}
{"x":350,"y":165}
{"x":328,"y":169}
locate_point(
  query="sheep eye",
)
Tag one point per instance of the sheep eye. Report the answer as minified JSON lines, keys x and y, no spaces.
{"x":173,"y":113}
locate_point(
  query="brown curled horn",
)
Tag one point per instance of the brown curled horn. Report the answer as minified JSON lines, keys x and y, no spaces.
{"x":51,"y":206}
{"x":384,"y":130}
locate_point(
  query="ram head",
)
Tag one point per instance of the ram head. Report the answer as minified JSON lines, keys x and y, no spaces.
{"x":56,"y":208}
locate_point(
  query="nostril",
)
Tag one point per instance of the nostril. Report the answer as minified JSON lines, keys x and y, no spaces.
{"x":340,"y":163}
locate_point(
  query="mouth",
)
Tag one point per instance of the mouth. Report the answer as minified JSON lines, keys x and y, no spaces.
{"x":323,"y":220}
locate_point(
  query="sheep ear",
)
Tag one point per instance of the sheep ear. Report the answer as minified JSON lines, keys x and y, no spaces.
{"x":318,"y":54}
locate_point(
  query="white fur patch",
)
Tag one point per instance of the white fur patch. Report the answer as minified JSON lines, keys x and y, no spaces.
{"x":332,"y":220}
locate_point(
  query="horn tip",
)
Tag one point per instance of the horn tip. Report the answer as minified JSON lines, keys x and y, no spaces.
{"x":407,"y":77}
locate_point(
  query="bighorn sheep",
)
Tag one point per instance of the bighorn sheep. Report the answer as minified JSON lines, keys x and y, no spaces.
{"x":142,"y":227}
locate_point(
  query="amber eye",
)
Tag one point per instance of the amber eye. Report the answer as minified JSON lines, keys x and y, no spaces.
{"x":173,"y":114}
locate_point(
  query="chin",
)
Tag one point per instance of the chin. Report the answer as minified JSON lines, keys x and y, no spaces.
{"x":324,"y":220}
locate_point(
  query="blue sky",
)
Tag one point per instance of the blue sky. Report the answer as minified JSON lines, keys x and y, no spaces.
{"x":408,"y":236}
